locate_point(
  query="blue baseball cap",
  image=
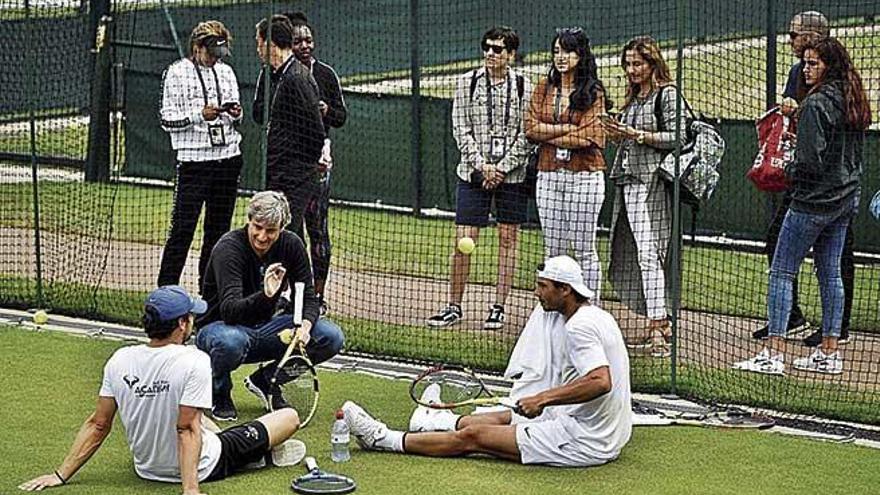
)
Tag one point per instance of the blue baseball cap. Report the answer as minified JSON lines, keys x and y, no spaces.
{"x":172,"y":301}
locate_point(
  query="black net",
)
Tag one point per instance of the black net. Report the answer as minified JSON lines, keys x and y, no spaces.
{"x":404,"y":147}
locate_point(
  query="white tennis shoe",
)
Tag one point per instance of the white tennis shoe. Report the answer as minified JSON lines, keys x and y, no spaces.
{"x":366,"y":429}
{"x":819,"y":362}
{"x":763,"y":363}
{"x":288,"y":453}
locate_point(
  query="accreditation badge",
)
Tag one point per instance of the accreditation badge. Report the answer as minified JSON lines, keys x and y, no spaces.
{"x":217,"y":134}
{"x":563,"y":155}
{"x":496,"y":147}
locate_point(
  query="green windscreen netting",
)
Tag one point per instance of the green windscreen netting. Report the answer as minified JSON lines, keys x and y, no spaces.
{"x":125,"y":154}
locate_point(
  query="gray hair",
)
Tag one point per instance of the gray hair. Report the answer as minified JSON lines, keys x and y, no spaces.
{"x":269,"y":207}
{"x":811,"y":21}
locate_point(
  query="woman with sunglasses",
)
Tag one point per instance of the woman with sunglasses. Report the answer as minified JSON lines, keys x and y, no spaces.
{"x":563,"y":119}
{"x":641,"y":222}
{"x":825,"y":187}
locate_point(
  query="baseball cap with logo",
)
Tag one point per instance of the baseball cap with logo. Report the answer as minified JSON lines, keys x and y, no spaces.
{"x":566,"y":270}
{"x":170,"y":302}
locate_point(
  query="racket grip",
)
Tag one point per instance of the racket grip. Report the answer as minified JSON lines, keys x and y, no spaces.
{"x":299,"y":289}
{"x":311,"y":464}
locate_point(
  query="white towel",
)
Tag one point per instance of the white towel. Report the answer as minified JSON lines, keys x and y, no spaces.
{"x":531,"y":362}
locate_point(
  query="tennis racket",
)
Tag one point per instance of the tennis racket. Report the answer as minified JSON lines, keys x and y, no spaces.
{"x":732,"y":418}
{"x":317,"y":481}
{"x":458,"y":387}
{"x":295,"y":377}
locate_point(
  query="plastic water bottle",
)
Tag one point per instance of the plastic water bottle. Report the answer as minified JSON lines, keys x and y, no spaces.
{"x":339,"y":438}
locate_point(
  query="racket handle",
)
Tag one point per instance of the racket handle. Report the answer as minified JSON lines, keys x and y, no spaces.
{"x":311,"y":464}
{"x":299,"y":289}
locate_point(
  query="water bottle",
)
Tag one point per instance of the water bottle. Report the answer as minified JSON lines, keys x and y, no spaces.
{"x":339,"y":437}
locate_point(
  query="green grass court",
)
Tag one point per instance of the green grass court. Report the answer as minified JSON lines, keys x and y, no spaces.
{"x":48,"y":384}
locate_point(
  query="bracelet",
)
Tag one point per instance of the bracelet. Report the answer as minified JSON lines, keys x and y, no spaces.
{"x":60,"y":478}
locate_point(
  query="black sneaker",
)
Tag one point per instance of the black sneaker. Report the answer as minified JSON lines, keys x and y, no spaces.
{"x":495,"y":320}
{"x":224,"y":409}
{"x":450,"y":315}
{"x":815,"y":338}
{"x":268,"y":394}
{"x":794,"y":326}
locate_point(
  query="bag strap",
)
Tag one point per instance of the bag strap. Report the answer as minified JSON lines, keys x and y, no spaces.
{"x":474,"y":80}
{"x":520,"y":86}
{"x":658,"y":109}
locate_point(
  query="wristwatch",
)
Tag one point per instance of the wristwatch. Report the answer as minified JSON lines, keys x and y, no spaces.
{"x":640,"y":137}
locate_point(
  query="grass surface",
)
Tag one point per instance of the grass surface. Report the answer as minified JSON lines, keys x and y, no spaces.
{"x":50,"y":402}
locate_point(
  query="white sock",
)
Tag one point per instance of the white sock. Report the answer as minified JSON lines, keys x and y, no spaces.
{"x":393,"y":441}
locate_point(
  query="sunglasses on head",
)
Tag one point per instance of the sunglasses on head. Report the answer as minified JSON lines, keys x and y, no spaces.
{"x":495,"y":48}
{"x":793,"y":34}
{"x":571,"y":30}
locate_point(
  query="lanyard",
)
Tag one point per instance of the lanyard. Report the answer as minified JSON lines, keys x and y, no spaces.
{"x":556,"y":104}
{"x":202,"y":83}
{"x":490,"y":102}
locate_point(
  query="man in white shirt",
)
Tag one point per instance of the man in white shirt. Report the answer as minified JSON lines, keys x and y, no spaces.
{"x":160,"y":389}
{"x":201,"y":112}
{"x":583,"y":418}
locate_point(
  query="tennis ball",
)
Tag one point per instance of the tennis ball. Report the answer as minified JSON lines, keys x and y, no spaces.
{"x":40,"y":317}
{"x":286,"y":336}
{"x":466,"y":245}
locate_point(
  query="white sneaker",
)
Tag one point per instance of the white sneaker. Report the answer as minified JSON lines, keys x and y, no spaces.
{"x":288,"y":453}
{"x":763,"y":363}
{"x":366,"y":429}
{"x":427,"y":419}
{"x":819,"y":362}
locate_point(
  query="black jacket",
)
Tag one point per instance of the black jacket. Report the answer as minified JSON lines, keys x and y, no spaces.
{"x":827,"y":167}
{"x":233,"y":286}
{"x":329,"y":89}
{"x":296,"y":131}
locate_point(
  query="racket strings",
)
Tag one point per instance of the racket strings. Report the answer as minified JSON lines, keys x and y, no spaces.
{"x":454,"y":388}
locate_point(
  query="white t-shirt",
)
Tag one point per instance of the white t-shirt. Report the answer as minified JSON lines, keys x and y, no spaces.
{"x":591,"y":339}
{"x":149,"y":384}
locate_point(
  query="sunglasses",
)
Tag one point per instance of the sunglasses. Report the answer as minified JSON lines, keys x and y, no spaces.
{"x":494,"y":48}
{"x":571,"y":30}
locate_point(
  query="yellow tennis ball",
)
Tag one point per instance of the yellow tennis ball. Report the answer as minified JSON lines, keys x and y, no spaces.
{"x":286,"y":336}
{"x":40,"y":317}
{"x":466,"y":245}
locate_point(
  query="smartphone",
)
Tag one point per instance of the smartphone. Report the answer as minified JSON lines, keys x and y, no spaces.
{"x":229,"y":105}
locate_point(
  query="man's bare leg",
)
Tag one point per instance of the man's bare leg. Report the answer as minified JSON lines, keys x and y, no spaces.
{"x":280,"y":424}
{"x":496,"y":440}
{"x":498,"y":418}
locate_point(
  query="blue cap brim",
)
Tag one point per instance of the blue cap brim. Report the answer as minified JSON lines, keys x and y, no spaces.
{"x":199,"y":306}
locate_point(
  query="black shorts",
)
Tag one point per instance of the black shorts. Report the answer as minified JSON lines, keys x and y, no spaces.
{"x":473,"y":203}
{"x":240,"y":446}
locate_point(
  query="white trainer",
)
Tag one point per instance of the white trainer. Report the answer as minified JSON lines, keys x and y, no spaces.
{"x":819,"y":362}
{"x":764,"y":363}
{"x":288,"y":453}
{"x":366,"y":429}
{"x":427,"y":419}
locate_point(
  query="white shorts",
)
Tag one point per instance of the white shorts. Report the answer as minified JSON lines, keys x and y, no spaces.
{"x":549,"y":442}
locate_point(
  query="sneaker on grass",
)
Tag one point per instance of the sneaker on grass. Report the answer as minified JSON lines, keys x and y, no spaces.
{"x":427,"y":419}
{"x":259,"y":385}
{"x":763,"y":363}
{"x":819,"y":362}
{"x":367,"y":430}
{"x":224,"y":409}
{"x":450,"y":315}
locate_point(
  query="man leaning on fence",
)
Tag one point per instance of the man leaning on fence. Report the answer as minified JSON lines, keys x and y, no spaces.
{"x":487,"y":122}
{"x":201,"y":113}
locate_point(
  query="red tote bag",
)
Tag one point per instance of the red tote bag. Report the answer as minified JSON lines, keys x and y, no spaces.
{"x":774,"y":151}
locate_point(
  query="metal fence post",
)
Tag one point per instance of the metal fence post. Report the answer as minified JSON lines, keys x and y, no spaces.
{"x":675,"y":247}
{"x":32,"y":130}
{"x":415,"y":108}
{"x":771,"y":54}
{"x":98,"y":157}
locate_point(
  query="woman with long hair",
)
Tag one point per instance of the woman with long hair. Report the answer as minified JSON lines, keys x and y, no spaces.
{"x":563,"y":119}
{"x":641,"y":224}
{"x":826,"y":185}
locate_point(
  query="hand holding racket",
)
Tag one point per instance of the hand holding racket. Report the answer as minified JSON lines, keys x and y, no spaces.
{"x":458,"y":387}
{"x":295,"y":377}
{"x":317,"y":481}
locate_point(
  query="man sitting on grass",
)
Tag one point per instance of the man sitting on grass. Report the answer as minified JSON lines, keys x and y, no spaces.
{"x":160,"y":389}
{"x":583,"y":419}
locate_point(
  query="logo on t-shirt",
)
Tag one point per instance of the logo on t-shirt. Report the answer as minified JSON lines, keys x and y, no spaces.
{"x":158,"y":387}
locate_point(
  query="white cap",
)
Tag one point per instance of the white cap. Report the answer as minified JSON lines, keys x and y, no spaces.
{"x":566,"y":270}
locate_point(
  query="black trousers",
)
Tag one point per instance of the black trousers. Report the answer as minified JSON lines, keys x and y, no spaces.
{"x":299,"y":185}
{"x":214,"y":184}
{"x":780,"y":205}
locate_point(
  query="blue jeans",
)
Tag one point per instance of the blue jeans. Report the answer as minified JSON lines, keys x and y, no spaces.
{"x":825,"y":233}
{"x":230,"y":346}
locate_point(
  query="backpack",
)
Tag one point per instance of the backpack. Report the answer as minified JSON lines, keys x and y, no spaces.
{"x":700,"y":156}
